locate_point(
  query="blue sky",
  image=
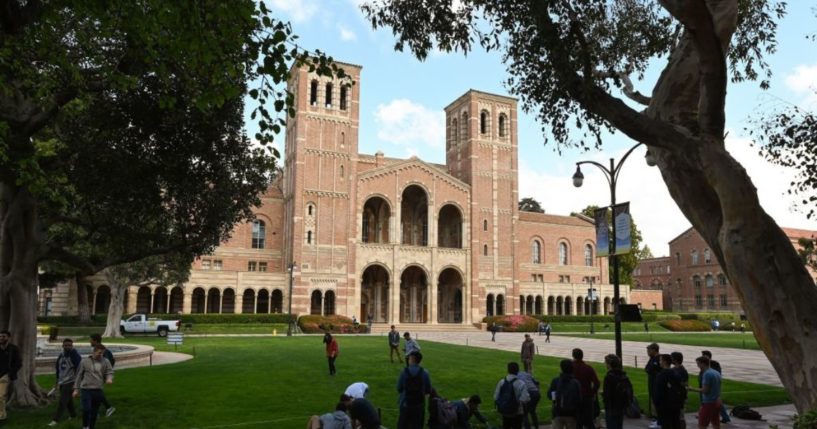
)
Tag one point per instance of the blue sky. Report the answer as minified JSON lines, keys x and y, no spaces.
{"x":402,"y":100}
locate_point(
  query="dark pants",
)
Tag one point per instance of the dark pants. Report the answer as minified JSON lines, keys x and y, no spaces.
{"x":614,"y":422}
{"x":512,"y":422}
{"x":411,"y":417}
{"x":668,"y":418}
{"x":530,"y":410}
{"x":331,"y":360}
{"x":587,"y":413}
{"x":394,"y":350}
{"x":547,"y":337}
{"x":66,"y":402}
{"x":91,"y":399}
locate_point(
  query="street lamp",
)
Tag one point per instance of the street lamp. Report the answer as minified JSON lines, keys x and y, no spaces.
{"x":291,"y":270}
{"x":611,"y":174}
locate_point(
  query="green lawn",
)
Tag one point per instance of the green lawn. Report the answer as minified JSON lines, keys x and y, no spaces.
{"x":559,"y":327}
{"x":278,"y":382}
{"x":198,"y":328}
{"x":704,"y":339}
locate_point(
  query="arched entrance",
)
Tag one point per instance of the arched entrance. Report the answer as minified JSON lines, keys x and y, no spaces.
{"x":228,"y":302}
{"x":329,"y":303}
{"x":214,"y":300}
{"x":568,"y":305}
{"x":414,"y":216}
{"x":489,"y":303}
{"x":579,"y":306}
{"x":500,"y":305}
{"x":262,"y":303}
{"x":560,"y":306}
{"x":197,"y":303}
{"x":529,"y":304}
{"x":449,"y":227}
{"x":376,"y":215}
{"x":277,"y":302}
{"x":413,"y":295}
{"x":176,"y":300}
{"x":160,"y":300}
{"x":103,"y":299}
{"x":538,"y":305}
{"x":374,"y":294}
{"x":248,"y":302}
{"x":449,"y":296}
{"x":143,"y":300}
{"x":551,"y":303}
{"x":316,"y":302}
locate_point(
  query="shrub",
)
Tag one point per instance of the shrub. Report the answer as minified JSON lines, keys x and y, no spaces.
{"x":335,"y":324}
{"x":685,"y":325}
{"x":96,"y":320}
{"x":576,"y":319}
{"x":806,"y":421}
{"x":514,"y":323}
{"x":228,"y":318}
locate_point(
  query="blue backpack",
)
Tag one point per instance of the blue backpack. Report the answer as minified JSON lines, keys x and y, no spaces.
{"x":507,"y":403}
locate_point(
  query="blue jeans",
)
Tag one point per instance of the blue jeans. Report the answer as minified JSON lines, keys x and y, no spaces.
{"x":724,"y":414}
{"x":90,"y":399}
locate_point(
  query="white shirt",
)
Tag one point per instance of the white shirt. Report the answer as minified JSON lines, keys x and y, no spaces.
{"x":357,"y":390}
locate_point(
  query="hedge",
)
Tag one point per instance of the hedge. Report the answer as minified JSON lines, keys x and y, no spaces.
{"x":229,"y":318}
{"x":334,"y":324}
{"x":96,"y":320}
{"x":685,"y":325}
{"x":514,"y":323}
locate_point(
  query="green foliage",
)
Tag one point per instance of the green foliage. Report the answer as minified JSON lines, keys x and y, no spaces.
{"x":96,"y":320}
{"x":805,"y":421}
{"x":316,"y":324}
{"x":530,"y":204}
{"x":685,"y":325}
{"x":808,"y":250}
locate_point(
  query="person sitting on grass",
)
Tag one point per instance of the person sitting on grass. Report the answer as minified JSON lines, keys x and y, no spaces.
{"x":466,"y":408}
{"x":335,"y":420}
{"x":362,"y":413}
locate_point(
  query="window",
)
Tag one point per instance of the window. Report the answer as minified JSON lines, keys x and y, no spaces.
{"x":541,"y":278}
{"x":588,"y":255}
{"x":258,"y":234}
{"x":710,"y":300}
{"x":699,"y":300}
{"x":696,"y":280}
{"x":724,"y":302}
{"x":562,"y":253}
{"x":567,"y":279}
{"x":533,"y":277}
{"x":465,"y":132}
{"x":205,"y":264}
{"x":668,"y":270}
{"x":483,"y":122}
{"x":707,"y":256}
{"x":343,"y":94}
{"x":485,"y":225}
{"x":328,"y":95}
{"x":694,"y":257}
{"x":251,"y":266}
{"x":262,"y":267}
{"x":341,"y":172}
{"x":485,"y":250}
{"x":564,"y":279}
{"x":721,"y":279}
{"x":309,"y":210}
{"x":710,"y":281}
{"x":677,"y":258}
{"x":313,"y":93}
{"x":309,"y":237}
{"x":536,"y":251}
{"x":217,"y":264}
{"x":455,"y":132}
{"x":502,"y":124}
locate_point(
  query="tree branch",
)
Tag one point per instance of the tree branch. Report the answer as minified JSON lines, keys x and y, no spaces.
{"x":14,"y":18}
{"x":627,"y":87}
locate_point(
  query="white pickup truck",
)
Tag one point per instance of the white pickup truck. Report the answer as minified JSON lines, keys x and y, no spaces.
{"x":140,"y":324}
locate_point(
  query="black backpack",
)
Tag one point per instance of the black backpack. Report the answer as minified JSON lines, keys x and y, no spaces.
{"x":568,"y":397}
{"x":623,"y":392}
{"x":507,"y":403}
{"x":745,"y":413}
{"x":414,"y":389}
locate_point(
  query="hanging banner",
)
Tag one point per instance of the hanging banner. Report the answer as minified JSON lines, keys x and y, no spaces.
{"x":621,"y":216}
{"x":602,"y":233}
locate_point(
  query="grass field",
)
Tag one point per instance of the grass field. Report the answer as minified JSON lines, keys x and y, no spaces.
{"x":278,"y":382}
{"x":199,"y":328}
{"x":703,"y":339}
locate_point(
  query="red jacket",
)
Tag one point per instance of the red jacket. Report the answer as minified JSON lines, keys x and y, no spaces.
{"x":332,"y":348}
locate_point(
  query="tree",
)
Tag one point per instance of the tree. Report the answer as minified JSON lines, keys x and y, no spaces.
{"x":121,"y":136}
{"x":808,"y":252}
{"x":565,"y":57}
{"x":530,"y":204}
{"x":628,"y":261}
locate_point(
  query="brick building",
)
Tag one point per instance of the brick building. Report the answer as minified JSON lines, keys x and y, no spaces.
{"x":402,"y":240}
{"x":691,"y":277}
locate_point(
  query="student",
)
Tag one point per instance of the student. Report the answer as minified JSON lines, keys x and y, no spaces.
{"x":652,"y":369}
{"x":410,"y":347}
{"x":466,"y":408}
{"x":527,"y":353}
{"x":683,"y":375}
{"x":710,"y":389}
{"x":413,"y":385}
{"x":369,"y":322}
{"x":493,"y":330}
{"x":394,"y":344}
{"x":94,"y":372}
{"x":589,"y":382}
{"x":717,"y":367}
{"x":510,"y":397}
{"x":97,"y":339}
{"x":616,"y":389}
{"x":357,"y":390}
{"x":331,"y":351}
{"x":566,"y":394}
{"x":10,"y":364}
{"x":669,"y":394}
{"x":66,"y":374}
{"x":335,"y":420}
{"x":547,"y":332}
{"x":362,"y":413}
{"x":532,"y":385}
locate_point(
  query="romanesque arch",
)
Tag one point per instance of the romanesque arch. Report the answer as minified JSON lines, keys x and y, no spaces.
{"x":449,"y":296}
{"x":560,"y":306}
{"x":374,"y":293}
{"x":413,"y":295}
{"x":449,"y":227}
{"x":568,"y":306}
{"x":176,"y":300}
{"x":228,"y":301}
{"x":214,"y":300}
{"x":580,"y":306}
{"x":500,"y":305}
{"x":329,"y":303}
{"x":376,"y":215}
{"x":538,"y":305}
{"x":160,"y":300}
{"x":551,"y":304}
{"x":316,"y":302}
{"x":198,"y":301}
{"x":143,"y":300}
{"x":102,"y":300}
{"x":489,"y":304}
{"x":262,"y":302}
{"x":248,"y":301}
{"x":414,"y":216}
{"x":276,"y":302}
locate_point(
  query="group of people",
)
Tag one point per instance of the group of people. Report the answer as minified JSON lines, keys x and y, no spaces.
{"x":716,"y":326}
{"x":75,"y":377}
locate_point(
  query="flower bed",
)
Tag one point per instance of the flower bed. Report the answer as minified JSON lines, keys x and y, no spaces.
{"x":334,"y":324}
{"x":685,"y":325}
{"x":514,"y":323}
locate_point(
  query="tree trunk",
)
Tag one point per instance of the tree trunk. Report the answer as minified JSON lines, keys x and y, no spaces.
{"x":25,"y":392}
{"x":116,"y":308}
{"x":83,"y":308}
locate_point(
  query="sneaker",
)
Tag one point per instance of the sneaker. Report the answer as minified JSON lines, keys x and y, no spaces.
{"x":53,"y":423}
{"x":110,"y":411}
{"x":654,"y":425}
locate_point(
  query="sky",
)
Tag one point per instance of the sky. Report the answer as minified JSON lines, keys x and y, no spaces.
{"x":402,"y":101}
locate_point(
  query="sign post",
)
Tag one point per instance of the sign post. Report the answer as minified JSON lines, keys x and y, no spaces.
{"x":592,"y":296}
{"x":175,"y":338}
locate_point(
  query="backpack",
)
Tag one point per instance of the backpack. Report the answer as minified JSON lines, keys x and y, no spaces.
{"x":507,"y":403}
{"x":446,"y":412}
{"x":676,"y":394}
{"x":414,"y":391}
{"x":745,"y":413}
{"x":568,"y":398}
{"x":623,"y":392}
{"x":632,"y":410}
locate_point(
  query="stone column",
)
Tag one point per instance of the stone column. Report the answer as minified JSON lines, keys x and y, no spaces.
{"x":432,"y":302}
{"x":239,"y":303}
{"x":132,"y":293}
{"x":187,"y":301}
{"x":395,"y":300}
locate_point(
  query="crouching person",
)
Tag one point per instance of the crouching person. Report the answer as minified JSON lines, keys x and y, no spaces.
{"x":94,"y":372}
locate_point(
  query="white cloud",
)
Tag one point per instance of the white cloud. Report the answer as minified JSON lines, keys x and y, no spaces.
{"x":297,"y":10}
{"x":346,"y":34}
{"x":803,"y":81}
{"x":404,"y":122}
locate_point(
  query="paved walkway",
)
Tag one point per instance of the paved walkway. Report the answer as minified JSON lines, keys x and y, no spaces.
{"x":158,"y":358}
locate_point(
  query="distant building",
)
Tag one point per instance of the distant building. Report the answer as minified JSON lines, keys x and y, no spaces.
{"x":691,"y":277}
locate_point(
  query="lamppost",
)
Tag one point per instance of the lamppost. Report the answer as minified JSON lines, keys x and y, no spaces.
{"x":611,"y":174}
{"x":291,"y":270}
{"x":592,"y":296}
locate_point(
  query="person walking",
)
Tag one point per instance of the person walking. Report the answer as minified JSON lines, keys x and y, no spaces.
{"x":394,"y":345}
{"x":547,"y":332}
{"x":652,"y":369}
{"x":717,"y":367}
{"x":683,"y":375}
{"x":616,"y":394}
{"x":96,"y":339}
{"x":413,"y":385}
{"x":94,"y":372}
{"x":66,"y":374}
{"x":527,"y":353}
{"x":670,"y":394}
{"x":709,"y":382}
{"x":540,"y":328}
{"x":362,"y":413}
{"x":510,"y":397}
{"x":369,"y":322}
{"x":493,"y":330}
{"x":331,"y":351}
{"x":566,"y":394}
{"x":532,"y":385}
{"x":411,"y":346}
{"x":10,"y":364}
{"x":466,"y":408}
{"x":589,"y":382}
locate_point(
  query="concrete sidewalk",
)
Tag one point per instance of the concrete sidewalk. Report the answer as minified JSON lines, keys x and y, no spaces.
{"x":779,"y":415}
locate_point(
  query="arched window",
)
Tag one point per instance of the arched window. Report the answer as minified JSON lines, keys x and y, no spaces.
{"x":465,"y":131}
{"x":343,"y":94}
{"x":485,"y":224}
{"x":588,"y":255}
{"x":710,"y":281}
{"x":309,"y":237}
{"x":455,"y":132}
{"x":536,"y":252}
{"x":721,"y":279}
{"x":502,"y":124}
{"x":328,"y":95}
{"x":696,"y":280}
{"x":341,"y":172}
{"x":483,"y":122}
{"x":563,"y":253}
{"x":694,"y":257}
{"x":485,"y":250}
{"x":258,"y":234}
{"x":342,"y":140}
{"x":707,"y":256}
{"x":313,"y":93}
